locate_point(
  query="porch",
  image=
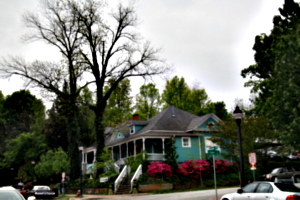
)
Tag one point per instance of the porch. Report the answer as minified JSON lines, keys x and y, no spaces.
{"x":155,"y":148}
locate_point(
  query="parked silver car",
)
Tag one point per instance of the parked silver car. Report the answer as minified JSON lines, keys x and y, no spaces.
{"x":282,"y":173}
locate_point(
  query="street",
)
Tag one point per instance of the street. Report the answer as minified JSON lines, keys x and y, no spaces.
{"x":193,"y":195}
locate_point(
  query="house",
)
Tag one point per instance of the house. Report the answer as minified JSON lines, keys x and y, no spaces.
{"x":190,"y":132}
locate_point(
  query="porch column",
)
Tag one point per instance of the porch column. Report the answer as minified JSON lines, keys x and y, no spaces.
{"x":163,"y":148}
{"x":134,"y":147}
{"x":95,"y":151}
{"x":126,"y":149}
{"x":83,"y":157}
{"x":143,"y":147}
{"x":112,"y":153}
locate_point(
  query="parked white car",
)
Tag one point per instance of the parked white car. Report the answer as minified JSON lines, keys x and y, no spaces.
{"x":265,"y":190}
{"x":10,"y":193}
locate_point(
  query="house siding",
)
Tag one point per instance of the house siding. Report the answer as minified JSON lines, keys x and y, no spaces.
{"x":187,"y":153}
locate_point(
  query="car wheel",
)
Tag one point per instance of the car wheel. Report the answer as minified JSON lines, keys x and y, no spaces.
{"x":225,"y":199}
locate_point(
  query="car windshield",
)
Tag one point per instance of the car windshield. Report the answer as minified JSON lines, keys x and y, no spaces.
{"x":274,"y":171}
{"x":10,"y":195}
{"x":41,"y":188}
{"x":287,"y":187}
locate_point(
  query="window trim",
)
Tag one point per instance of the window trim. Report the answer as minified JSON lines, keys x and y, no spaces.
{"x":188,"y":140}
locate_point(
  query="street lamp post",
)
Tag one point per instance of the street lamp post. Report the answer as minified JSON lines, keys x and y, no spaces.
{"x":80,"y":186}
{"x":238,"y":114}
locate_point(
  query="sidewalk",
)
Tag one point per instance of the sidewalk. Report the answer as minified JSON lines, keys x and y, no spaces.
{"x":96,"y":197}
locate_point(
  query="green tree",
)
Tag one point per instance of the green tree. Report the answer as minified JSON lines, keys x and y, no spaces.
{"x":257,"y":137}
{"x":20,"y":112}
{"x":148,"y":101}
{"x":276,"y":71}
{"x":171,"y":154}
{"x":23,"y":149}
{"x":52,"y":162}
{"x":178,"y":94}
{"x":119,"y":104}
{"x":86,"y":118}
{"x":219,"y":109}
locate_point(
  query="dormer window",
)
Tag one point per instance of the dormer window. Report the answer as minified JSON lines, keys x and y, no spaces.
{"x":132,"y":131}
{"x":210,"y":124}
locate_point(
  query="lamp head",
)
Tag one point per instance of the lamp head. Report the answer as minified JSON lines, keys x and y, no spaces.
{"x":237,"y":113}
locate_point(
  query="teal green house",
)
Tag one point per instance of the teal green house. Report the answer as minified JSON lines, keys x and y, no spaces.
{"x":191,"y":134}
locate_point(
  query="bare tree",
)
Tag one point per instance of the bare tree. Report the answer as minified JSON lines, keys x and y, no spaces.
{"x":115,"y":51}
{"x":57,"y":26}
{"x":88,"y":44}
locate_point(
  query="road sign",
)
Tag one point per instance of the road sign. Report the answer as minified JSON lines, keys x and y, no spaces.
{"x":213,"y":151}
{"x":252,"y":158}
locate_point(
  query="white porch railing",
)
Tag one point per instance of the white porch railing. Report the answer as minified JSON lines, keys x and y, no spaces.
{"x":155,"y":156}
{"x":136,"y":176}
{"x":120,"y":178}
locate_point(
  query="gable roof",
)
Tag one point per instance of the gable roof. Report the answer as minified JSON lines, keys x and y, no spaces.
{"x":193,"y":126}
{"x":170,"y":119}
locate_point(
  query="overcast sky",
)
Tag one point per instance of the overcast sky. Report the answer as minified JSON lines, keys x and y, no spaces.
{"x":206,"y":41}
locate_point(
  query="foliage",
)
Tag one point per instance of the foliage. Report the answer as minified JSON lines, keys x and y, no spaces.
{"x":135,"y":161}
{"x":275,"y":74}
{"x":194,"y":168}
{"x":118,"y":107}
{"x":257,"y":137}
{"x":106,"y":163}
{"x":218,"y":108}
{"x":86,"y":118}
{"x":222,"y":166}
{"x":23,"y":149}
{"x":177,"y":93}
{"x":171,"y":154}
{"x":52,"y":162}
{"x":158,"y":169}
{"x":20,"y":111}
{"x":148,"y":101}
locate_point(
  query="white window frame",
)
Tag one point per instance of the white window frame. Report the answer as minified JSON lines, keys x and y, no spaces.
{"x":188,"y":141}
{"x":132,"y":130}
{"x":209,"y":143}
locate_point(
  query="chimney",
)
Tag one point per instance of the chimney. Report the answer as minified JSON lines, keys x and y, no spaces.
{"x":136,"y":117}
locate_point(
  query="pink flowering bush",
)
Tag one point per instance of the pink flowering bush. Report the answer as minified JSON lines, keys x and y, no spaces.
{"x":157,"y":169}
{"x":222,"y":166}
{"x":193,"y":168}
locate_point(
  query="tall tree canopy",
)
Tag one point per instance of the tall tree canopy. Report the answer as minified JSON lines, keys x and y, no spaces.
{"x":276,"y":73}
{"x":88,"y":44}
{"x":119,"y":104}
{"x":178,"y":94}
{"x":148,"y":101}
{"x":20,"y":111}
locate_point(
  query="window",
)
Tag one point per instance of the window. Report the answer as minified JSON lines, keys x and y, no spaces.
{"x":186,"y":142}
{"x":209,"y":144}
{"x":132,"y":130}
{"x":264,"y":188}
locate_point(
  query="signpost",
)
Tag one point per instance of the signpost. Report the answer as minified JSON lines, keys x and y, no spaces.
{"x":252,"y":161}
{"x":214,"y":151}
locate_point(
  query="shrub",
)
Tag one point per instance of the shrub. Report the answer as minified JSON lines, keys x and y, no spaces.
{"x":223,"y":166}
{"x":193,"y":168}
{"x":158,"y":169}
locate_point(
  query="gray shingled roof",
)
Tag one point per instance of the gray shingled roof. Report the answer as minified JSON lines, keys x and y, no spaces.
{"x":171,"y":121}
{"x":171,"y":118}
